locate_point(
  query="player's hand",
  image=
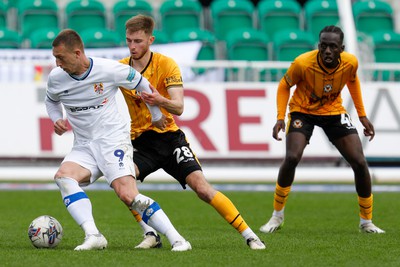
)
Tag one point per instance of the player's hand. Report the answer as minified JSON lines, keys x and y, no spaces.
{"x":368,"y":128}
{"x":60,"y":127}
{"x":161,"y":123}
{"x":154,"y":98}
{"x":279,"y":126}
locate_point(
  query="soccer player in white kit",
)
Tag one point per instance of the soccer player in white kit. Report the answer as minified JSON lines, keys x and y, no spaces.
{"x":87,"y":87}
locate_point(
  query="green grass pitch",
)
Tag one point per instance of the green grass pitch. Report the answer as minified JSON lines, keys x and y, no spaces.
{"x":321,"y":229}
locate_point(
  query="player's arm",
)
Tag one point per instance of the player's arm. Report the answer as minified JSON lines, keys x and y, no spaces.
{"x":356,"y":95}
{"x":174,"y":105}
{"x":282,"y":98}
{"x":55,"y":112}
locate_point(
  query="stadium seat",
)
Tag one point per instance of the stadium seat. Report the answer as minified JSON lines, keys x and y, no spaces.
{"x":125,"y":9}
{"x":100,"y":38}
{"x":276,"y":15}
{"x":288,"y":44}
{"x":33,"y":15}
{"x":207,"y":39}
{"x":230,"y":14}
{"x":180,"y":14}
{"x":85,"y":14}
{"x":160,"y":37}
{"x":320,"y":13}
{"x":3,"y":14}
{"x":247,"y":44}
{"x":43,"y":38}
{"x":387,"y":50}
{"x":9,"y":38}
{"x":370,"y":16}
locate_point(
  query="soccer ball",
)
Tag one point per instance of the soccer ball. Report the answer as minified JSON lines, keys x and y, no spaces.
{"x":45,"y":232}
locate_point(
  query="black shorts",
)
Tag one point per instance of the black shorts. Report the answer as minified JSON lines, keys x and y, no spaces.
{"x":334,"y":126}
{"x":169,"y":151}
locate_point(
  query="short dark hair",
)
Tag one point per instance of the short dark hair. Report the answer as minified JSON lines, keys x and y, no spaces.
{"x":140,"y":23}
{"x":69,"y":38}
{"x":333,"y":28}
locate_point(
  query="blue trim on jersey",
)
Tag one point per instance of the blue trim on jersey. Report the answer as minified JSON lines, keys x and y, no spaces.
{"x":139,"y":82}
{"x":87,"y":72}
{"x":54,"y":101}
{"x":150,"y":211}
{"x":68,"y":200}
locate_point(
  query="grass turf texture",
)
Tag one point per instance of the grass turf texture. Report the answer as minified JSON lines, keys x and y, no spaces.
{"x":321,"y":229}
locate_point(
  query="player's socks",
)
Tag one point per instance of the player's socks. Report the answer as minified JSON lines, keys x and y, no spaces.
{"x":146,"y":228}
{"x":229,"y":212}
{"x":366,"y":205}
{"x":280,"y":196}
{"x":78,"y":204}
{"x":153,"y":215}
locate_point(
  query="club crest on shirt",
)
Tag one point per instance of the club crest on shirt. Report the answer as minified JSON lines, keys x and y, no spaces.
{"x":297,"y":123}
{"x":327,"y":88}
{"x":98,"y":88}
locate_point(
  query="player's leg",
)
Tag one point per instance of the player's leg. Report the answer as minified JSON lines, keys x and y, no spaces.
{"x":78,"y":204}
{"x":296,"y":141}
{"x":150,"y":211}
{"x":351,"y":149}
{"x":224,"y":206}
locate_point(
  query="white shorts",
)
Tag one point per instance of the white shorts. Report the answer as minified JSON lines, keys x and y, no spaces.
{"x":103,"y":157}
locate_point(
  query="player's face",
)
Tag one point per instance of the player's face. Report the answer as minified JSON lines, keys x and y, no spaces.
{"x":138,"y":43}
{"x":66,"y":59}
{"x":330,"y":46}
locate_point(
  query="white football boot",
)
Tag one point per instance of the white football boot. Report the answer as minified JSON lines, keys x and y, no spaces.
{"x":181,"y":246}
{"x":93,"y":242}
{"x":151,"y":240}
{"x":370,"y":228}
{"x":273,"y":225}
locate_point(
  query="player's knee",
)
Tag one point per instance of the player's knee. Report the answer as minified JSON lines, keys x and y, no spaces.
{"x":292,"y":159}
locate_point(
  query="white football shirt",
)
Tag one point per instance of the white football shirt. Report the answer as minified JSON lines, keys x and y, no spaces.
{"x":90,"y":101}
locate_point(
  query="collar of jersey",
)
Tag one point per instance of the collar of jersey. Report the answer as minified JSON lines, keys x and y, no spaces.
{"x":85,"y":74}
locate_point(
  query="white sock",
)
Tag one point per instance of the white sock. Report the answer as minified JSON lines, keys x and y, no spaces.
{"x":363,"y":221}
{"x":78,"y":204}
{"x":146,"y":228}
{"x":278,"y":213}
{"x":248,"y":233}
{"x":154,"y":216}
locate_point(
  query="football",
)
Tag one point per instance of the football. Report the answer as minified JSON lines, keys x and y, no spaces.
{"x":45,"y":232}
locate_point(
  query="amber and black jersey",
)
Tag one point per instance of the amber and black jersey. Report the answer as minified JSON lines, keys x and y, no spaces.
{"x":162,"y":72}
{"x":318,"y":89}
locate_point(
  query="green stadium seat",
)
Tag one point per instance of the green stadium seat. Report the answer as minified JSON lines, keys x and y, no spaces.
{"x":3,"y":14}
{"x":100,"y":38}
{"x":370,"y":16}
{"x":288,"y":44}
{"x":276,"y":15}
{"x":125,"y":9}
{"x":207,"y":39}
{"x":85,"y":14}
{"x":180,"y":14}
{"x":160,"y":37}
{"x":33,"y":15}
{"x":247,"y":44}
{"x":320,"y":13}
{"x":386,"y":50}
{"x":229,"y":15}
{"x":43,"y":38}
{"x":9,"y":38}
